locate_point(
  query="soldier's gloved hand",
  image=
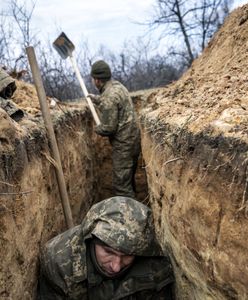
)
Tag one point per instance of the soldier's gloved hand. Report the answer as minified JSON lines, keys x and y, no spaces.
{"x":94,"y":98}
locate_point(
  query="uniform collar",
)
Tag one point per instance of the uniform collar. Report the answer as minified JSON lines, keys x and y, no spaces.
{"x":105,"y":86}
{"x":93,"y":276}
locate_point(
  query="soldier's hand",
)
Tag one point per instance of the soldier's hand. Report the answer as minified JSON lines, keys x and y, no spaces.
{"x":94,"y":98}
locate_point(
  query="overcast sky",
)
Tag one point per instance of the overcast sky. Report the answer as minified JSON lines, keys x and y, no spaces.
{"x":108,"y":22}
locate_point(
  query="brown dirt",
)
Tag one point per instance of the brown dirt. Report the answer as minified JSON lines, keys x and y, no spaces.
{"x":26,"y":98}
{"x":26,"y":95}
{"x":30,"y":207}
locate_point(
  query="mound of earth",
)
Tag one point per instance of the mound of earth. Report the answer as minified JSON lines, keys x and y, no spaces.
{"x":213,"y":94}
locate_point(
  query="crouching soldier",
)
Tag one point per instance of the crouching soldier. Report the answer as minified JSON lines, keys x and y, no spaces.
{"x":113,"y":254}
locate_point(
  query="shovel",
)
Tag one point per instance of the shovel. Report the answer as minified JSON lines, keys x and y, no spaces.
{"x":65,"y":48}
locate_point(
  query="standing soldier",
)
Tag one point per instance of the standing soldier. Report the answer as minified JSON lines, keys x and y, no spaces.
{"x":119,"y":123}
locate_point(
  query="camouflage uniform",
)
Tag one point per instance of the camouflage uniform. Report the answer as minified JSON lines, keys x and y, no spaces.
{"x":7,"y":89}
{"x":118,"y":122}
{"x":125,"y":225}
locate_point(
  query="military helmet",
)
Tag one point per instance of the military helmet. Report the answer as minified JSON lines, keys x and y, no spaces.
{"x":100,"y":70}
{"x":124,"y":224}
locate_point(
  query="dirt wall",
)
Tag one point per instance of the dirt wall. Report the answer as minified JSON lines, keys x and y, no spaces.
{"x":197,"y":199}
{"x":30,"y":208}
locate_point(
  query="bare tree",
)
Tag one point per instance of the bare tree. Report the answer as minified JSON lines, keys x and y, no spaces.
{"x":138,"y":67}
{"x":16,"y":29}
{"x":210,"y":17}
{"x":22,"y":14}
{"x":191,"y":22}
{"x":134,"y":66}
{"x":59,"y":80}
{"x":6,"y":35}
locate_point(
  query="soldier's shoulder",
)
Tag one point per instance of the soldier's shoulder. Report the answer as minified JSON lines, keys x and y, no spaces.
{"x":63,"y":258}
{"x":59,"y":241}
{"x":118,"y":86}
{"x":116,"y":91}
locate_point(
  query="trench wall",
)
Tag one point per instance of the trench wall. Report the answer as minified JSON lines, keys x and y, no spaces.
{"x":198,"y":193}
{"x":30,"y":209}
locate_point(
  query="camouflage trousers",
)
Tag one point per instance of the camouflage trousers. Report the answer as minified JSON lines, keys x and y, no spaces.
{"x":124,"y":168}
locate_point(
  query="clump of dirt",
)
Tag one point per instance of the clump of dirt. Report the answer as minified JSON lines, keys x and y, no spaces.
{"x":26,"y":97}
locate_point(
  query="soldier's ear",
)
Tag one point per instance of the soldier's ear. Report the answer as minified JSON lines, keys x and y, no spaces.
{"x":98,"y":83}
{"x":95,"y":81}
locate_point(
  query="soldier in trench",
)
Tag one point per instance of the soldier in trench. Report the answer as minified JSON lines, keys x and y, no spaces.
{"x":118,"y":122}
{"x":113,"y":254}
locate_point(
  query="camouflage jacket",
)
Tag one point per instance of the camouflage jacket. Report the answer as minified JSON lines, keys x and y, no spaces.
{"x":117,"y":115}
{"x":125,"y":225}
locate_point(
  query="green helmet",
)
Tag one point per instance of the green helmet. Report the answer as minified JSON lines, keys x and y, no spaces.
{"x":124,"y":224}
{"x":100,"y":70}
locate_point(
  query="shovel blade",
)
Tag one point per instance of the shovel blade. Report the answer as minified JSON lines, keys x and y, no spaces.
{"x":63,"y":46}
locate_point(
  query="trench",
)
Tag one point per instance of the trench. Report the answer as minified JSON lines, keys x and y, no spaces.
{"x":193,"y":181}
{"x":193,"y":173}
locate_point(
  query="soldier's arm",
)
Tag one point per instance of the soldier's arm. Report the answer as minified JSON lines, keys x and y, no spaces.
{"x":51,"y":285}
{"x":108,"y":117}
{"x":163,"y":279}
{"x":48,"y":290}
{"x":166,"y":293}
{"x":95,"y":99}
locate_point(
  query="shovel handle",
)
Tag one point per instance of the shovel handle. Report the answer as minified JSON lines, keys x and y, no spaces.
{"x":82,"y":84}
{"x":51,"y":135}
